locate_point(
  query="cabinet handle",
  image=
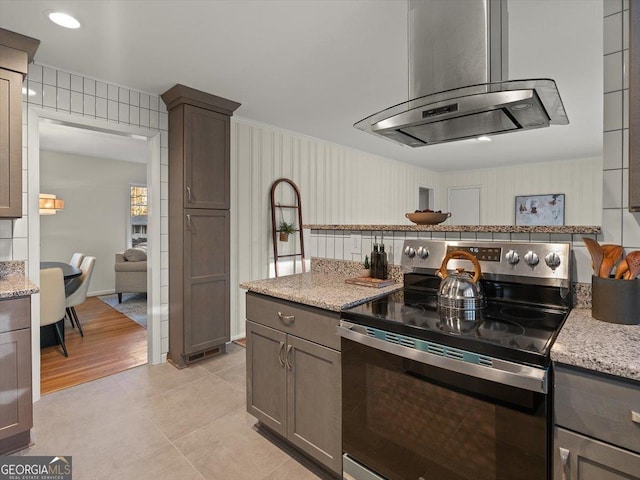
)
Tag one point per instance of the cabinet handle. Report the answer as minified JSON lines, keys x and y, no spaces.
{"x":288,"y":357}
{"x":635,"y":417}
{"x":564,"y":462}
{"x":280,"y":354}
{"x":188,"y":194}
{"x":288,"y":319}
{"x":188,"y":222}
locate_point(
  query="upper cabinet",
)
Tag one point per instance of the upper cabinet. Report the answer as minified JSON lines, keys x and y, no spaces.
{"x":16,"y":52}
{"x":200,"y":139}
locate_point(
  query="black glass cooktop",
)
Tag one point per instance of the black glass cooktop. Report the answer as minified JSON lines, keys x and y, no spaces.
{"x":505,"y":330}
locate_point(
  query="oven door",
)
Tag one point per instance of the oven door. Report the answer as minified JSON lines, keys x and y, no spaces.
{"x":406,"y":416}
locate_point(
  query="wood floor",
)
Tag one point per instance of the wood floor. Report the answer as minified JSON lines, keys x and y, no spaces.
{"x":112,"y":343}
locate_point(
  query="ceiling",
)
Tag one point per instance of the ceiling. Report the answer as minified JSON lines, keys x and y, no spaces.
{"x":317,"y":66}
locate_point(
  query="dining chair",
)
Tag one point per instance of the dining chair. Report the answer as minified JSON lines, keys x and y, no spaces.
{"x":76,"y":259}
{"x":80,"y":295}
{"x":72,"y":284}
{"x":52,"y":301}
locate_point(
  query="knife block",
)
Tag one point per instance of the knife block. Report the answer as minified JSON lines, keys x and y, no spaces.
{"x":615,"y":300}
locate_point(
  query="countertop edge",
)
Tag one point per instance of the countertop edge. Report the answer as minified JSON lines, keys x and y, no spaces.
{"x":560,"y":229}
{"x":598,"y":346}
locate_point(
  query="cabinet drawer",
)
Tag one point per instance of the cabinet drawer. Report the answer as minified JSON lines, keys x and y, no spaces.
{"x":310,"y":323}
{"x":15,"y":314}
{"x":606,"y":408}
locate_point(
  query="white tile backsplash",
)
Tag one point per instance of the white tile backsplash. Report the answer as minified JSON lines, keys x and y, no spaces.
{"x":612,"y":6}
{"x":64,"y":80}
{"x":134,"y":115}
{"x":112,"y":110}
{"x":612,"y":33}
{"x":89,"y":105}
{"x":49,"y":76}
{"x":6,"y":249}
{"x":612,"y":189}
{"x":34,"y":72}
{"x":77,"y":102}
{"x":49,"y":96}
{"x":64,"y":99}
{"x":613,"y":72}
{"x":612,"y":150}
{"x":6,"y":227}
{"x":123,"y":95}
{"x":101,"y":90}
{"x":101,"y":107}
{"x":112,"y":92}
{"x":630,"y":230}
{"x":134,"y":98}
{"x":612,"y":111}
{"x":35,"y":92}
{"x":77,"y":83}
{"x":123,"y":113}
{"x":89,"y":86}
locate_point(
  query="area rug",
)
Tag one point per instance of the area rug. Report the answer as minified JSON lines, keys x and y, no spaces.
{"x":134,"y":306}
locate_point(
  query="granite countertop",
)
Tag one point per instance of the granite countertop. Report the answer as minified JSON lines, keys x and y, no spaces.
{"x":16,"y":284}
{"x":600,"y":346}
{"x":574,"y":229}
{"x":322,"y":290}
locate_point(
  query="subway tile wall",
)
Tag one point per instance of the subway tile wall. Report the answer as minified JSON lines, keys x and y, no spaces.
{"x":57,"y":90}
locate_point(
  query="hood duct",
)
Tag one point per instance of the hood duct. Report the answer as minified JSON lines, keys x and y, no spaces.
{"x":458,"y":79}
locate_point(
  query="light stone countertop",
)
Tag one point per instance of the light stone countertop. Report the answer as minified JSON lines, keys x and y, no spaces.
{"x":599,"y":346}
{"x":559,"y":229}
{"x":13,"y":282}
{"x":322,"y":290}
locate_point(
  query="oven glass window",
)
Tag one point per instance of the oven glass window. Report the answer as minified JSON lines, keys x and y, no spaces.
{"x":409,"y":421}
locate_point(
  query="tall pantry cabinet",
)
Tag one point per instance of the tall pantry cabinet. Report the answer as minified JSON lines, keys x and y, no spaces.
{"x":199,"y":197}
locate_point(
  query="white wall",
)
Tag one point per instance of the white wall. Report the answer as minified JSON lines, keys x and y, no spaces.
{"x":579,"y":180}
{"x":95,"y":217}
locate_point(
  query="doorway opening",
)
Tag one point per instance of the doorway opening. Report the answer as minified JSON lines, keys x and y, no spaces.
{"x":95,"y":222}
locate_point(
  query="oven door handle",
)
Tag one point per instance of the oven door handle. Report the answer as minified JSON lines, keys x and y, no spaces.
{"x":501,"y":371}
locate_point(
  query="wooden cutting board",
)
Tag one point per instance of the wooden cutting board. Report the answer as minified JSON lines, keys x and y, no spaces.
{"x":370,"y":282}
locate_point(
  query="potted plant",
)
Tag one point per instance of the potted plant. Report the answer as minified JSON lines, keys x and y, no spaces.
{"x":366,"y":270}
{"x":285,"y":230}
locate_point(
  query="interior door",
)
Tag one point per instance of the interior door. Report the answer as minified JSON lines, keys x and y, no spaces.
{"x":464,"y":205}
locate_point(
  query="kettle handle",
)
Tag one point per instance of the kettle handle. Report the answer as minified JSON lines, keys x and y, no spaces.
{"x":442,"y":272}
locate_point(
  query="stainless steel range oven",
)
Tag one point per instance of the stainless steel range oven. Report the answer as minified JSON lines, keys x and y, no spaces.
{"x":426,"y":398}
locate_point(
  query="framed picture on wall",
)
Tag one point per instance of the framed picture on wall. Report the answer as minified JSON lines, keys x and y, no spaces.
{"x":539,"y":210}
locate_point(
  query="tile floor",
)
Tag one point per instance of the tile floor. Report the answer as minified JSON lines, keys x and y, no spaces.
{"x":161,"y":423}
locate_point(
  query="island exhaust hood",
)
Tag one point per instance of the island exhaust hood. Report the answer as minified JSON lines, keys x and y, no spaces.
{"x":458,"y":79}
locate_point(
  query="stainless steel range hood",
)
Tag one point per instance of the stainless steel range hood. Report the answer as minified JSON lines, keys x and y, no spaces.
{"x":458,"y":87}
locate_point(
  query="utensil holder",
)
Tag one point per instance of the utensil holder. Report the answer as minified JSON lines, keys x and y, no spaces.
{"x":615,"y":300}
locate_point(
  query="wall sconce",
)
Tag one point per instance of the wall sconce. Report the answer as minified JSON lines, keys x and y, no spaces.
{"x":49,"y":204}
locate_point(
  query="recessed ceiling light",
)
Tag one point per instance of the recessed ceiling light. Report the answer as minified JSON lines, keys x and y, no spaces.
{"x":64,"y":20}
{"x":31,"y":92}
{"x":484,"y":138}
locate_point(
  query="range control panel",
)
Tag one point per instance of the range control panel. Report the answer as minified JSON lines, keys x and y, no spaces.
{"x":519,"y":261}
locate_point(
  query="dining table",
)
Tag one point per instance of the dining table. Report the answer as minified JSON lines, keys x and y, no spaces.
{"x":69,"y":272}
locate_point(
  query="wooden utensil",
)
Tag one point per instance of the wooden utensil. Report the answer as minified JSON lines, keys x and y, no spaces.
{"x":623,"y":267}
{"x":596,"y":254}
{"x":611,"y":256}
{"x":633,"y":259}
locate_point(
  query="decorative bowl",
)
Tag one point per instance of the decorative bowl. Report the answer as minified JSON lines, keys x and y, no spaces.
{"x":427,"y":218}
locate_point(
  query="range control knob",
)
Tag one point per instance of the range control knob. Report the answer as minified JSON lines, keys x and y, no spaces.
{"x":512,"y":257}
{"x":422,"y":252}
{"x":410,"y":252}
{"x":552,"y":260}
{"x":531,"y":258}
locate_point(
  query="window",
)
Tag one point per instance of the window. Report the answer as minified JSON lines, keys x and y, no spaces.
{"x":138,"y":214}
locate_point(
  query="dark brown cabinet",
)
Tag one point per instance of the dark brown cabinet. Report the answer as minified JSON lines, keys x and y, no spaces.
{"x":294,"y":377}
{"x":16,"y":52}
{"x":16,"y":417}
{"x":199,"y":223}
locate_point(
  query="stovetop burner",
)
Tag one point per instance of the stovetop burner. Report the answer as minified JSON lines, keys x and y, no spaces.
{"x":519,"y":333}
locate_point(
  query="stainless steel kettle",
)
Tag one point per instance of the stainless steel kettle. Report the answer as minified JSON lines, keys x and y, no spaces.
{"x":460,"y":296}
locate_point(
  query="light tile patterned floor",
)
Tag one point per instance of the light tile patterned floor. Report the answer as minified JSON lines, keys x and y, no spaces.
{"x":161,"y":423}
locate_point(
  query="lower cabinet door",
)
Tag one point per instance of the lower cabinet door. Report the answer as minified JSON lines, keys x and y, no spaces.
{"x":314,"y":401}
{"x":15,"y":383}
{"x":577,"y":457}
{"x":267,"y":376}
